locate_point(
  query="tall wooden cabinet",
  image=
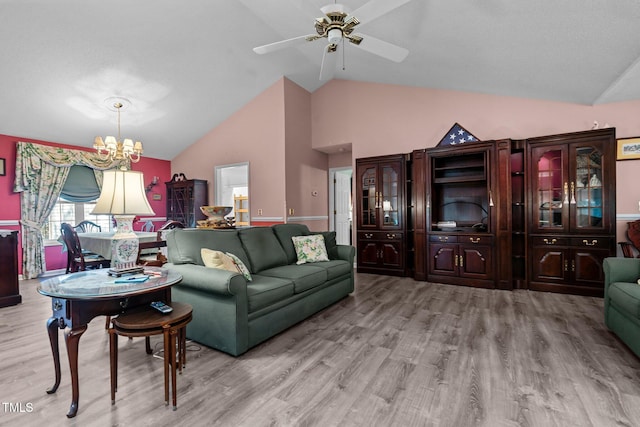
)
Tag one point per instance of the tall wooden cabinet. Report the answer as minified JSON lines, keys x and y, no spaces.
{"x":454,"y":224}
{"x":382,"y":215}
{"x":184,"y":198}
{"x":571,"y":210}
{"x":9,"y":291}
{"x":536,"y":213}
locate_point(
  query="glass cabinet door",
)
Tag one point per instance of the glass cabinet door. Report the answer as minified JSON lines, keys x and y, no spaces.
{"x":389,"y":197}
{"x":586,"y":188}
{"x":550,"y":188}
{"x":369,"y":197}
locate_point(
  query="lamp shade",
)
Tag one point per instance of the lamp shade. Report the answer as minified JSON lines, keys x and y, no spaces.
{"x":122,"y":194}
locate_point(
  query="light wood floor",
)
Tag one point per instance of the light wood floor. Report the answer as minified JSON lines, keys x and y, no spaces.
{"x":396,"y":353}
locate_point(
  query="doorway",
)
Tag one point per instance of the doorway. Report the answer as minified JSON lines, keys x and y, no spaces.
{"x":340,"y":204}
{"x":232,"y":189}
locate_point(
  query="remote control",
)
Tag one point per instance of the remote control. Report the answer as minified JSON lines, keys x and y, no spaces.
{"x":161,"y":307}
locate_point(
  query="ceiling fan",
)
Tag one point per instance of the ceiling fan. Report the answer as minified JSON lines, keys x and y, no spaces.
{"x":337,"y":25}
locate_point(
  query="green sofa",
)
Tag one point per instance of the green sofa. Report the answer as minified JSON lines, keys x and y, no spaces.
{"x":622,"y":299}
{"x":232,"y":314}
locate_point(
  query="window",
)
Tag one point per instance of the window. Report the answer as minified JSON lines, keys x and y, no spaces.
{"x":72,"y":213}
{"x":75,"y":203}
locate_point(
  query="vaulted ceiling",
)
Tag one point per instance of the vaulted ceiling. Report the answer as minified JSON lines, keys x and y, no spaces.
{"x":187,"y":66}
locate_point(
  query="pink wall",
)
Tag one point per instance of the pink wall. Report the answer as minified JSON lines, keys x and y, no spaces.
{"x":379,"y":119}
{"x":340,"y":159}
{"x":306,"y":169}
{"x":10,"y":212}
{"x":256,"y":134}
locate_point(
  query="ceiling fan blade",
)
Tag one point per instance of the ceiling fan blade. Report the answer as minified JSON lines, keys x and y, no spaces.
{"x":382,"y":48}
{"x":375,"y":9}
{"x":329,"y":61}
{"x":272,"y":47}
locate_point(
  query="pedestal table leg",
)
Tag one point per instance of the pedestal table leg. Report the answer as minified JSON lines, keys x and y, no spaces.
{"x":52,"y":329}
{"x":72,"y":339}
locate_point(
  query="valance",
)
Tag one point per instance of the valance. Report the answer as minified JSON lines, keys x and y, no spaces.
{"x":30,"y":158}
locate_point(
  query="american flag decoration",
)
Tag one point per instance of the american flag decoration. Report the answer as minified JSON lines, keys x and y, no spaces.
{"x":458,"y":135}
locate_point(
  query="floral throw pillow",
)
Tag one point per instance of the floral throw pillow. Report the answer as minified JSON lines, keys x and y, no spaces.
{"x":241,"y":267}
{"x":310,"y":248}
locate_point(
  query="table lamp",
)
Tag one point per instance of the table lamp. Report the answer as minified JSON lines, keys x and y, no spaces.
{"x":123,"y":196}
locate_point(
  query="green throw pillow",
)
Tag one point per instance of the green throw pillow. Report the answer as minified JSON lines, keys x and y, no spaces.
{"x":310,"y":248}
{"x":241,"y":267}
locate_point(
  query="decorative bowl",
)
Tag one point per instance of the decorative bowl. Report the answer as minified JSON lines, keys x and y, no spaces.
{"x":216,"y":213}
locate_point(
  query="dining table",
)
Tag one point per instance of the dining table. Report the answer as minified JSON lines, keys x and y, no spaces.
{"x":100,"y":243}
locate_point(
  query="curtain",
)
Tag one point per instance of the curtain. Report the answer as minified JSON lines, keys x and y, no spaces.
{"x":41,"y":172}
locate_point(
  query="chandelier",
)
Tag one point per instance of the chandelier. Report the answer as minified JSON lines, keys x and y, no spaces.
{"x":116,"y":149}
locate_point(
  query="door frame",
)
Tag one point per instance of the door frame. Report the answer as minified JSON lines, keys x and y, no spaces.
{"x":332,"y":205}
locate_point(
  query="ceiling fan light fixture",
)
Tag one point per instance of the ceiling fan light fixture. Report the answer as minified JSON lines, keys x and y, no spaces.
{"x":338,"y":24}
{"x":334,"y":35}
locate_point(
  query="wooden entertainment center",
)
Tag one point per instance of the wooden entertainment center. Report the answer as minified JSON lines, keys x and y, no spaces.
{"x":536,"y":213}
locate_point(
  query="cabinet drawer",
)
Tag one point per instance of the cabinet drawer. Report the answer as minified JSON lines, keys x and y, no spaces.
{"x":549,"y":241}
{"x":443,"y":238}
{"x":379,"y":235}
{"x":591,"y":242}
{"x":476,"y":239}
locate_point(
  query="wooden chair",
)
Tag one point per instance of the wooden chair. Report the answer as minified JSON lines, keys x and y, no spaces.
{"x":148,"y":226}
{"x":88,"y":227}
{"x":157,"y":258}
{"x":77,"y":259}
{"x":633,"y":234}
{"x":170,"y":225}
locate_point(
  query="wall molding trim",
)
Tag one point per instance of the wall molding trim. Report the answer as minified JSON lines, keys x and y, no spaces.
{"x":9,"y":222}
{"x":627,"y":217}
{"x":308,"y":218}
{"x":267,"y":219}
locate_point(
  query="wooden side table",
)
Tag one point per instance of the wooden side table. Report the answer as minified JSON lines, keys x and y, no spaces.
{"x":144,"y":322}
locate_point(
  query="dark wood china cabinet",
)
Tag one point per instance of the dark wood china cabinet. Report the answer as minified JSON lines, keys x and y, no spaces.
{"x":184,"y":198}
{"x":572,"y":210}
{"x":535,"y":213}
{"x":381,"y":214}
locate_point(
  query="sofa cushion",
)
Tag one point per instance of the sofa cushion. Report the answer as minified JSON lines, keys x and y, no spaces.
{"x":625,"y":296}
{"x":184,"y":244}
{"x":284,"y":233}
{"x":330,"y":243}
{"x":264,"y":291}
{"x":335,"y":268}
{"x":310,"y":248}
{"x":262,"y":248}
{"x":303,"y":276}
